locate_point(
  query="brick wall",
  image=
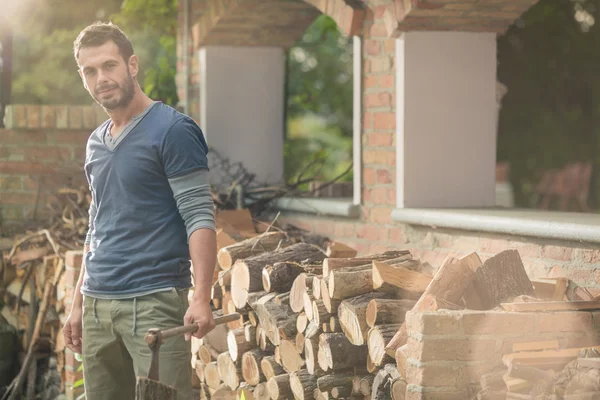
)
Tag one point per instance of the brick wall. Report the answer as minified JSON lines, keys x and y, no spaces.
{"x":450,"y":350}
{"x":42,"y":149}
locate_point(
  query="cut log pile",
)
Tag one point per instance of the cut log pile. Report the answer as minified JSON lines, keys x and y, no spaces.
{"x":32,"y":299}
{"x":320,"y":322}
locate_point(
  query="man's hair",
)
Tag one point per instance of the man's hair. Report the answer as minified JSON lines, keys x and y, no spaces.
{"x":99,"y":33}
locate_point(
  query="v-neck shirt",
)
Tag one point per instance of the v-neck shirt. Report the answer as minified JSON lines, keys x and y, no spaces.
{"x":112,"y":142}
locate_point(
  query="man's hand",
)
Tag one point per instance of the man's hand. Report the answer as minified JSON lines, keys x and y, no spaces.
{"x":199,"y":312}
{"x":72,"y":330}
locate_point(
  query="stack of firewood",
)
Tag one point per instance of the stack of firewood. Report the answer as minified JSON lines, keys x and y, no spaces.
{"x":32,"y":290}
{"x":320,"y":322}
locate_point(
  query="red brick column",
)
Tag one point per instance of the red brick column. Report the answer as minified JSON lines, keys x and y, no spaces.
{"x":73,"y":260}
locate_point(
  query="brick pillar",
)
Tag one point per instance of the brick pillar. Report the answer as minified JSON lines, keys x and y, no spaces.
{"x":73,"y":260}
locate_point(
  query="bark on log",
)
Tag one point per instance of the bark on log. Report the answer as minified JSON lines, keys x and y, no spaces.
{"x":378,"y":338}
{"x":352,"y":315}
{"x":270,"y":368}
{"x":290,"y":359}
{"x":301,"y":285}
{"x":402,"y":282}
{"x":382,"y":383}
{"x":279,"y":387}
{"x":303,"y":384}
{"x":251,"y":370}
{"x":388,"y":311}
{"x":260,"y":244}
{"x":331,"y":264}
{"x":502,"y":278}
{"x":247,"y":273}
{"x":312,"y":330}
{"x":334,"y":324}
{"x":340,"y":250}
{"x":336,"y":352}
{"x":320,"y":313}
{"x":280,"y":276}
{"x":449,"y":284}
{"x":345,"y":283}
{"x":344,"y":392}
{"x":337,"y":379}
{"x":250,"y":334}
{"x":277,"y":320}
{"x":149,"y":389}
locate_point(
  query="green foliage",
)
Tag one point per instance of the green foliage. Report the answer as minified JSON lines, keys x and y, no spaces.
{"x":551,"y":113}
{"x":319,"y":106}
{"x":45,"y":71}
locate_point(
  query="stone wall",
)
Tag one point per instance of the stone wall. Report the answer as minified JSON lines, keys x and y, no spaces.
{"x":42,"y":149}
{"x":450,"y":350}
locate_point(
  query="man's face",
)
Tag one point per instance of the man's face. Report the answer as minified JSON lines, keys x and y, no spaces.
{"x":106,"y":75}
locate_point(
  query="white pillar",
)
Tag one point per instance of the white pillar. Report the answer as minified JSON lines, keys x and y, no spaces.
{"x":241,"y":107}
{"x":445,"y":119}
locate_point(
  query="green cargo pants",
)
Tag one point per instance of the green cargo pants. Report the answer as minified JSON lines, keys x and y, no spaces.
{"x":114,"y":350}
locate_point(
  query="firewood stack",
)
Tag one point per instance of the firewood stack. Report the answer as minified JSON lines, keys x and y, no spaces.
{"x":32,"y":294}
{"x":318,"y":322}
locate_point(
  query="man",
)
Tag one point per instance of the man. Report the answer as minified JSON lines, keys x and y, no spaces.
{"x":151,"y":212}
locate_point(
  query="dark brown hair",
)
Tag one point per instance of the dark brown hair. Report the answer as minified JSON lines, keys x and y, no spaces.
{"x":99,"y":33}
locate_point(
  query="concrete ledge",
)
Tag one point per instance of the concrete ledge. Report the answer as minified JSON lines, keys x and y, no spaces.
{"x":580,"y":227}
{"x":340,"y":207}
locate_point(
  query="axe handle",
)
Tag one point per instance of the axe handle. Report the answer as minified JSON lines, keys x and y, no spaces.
{"x":191,"y":328}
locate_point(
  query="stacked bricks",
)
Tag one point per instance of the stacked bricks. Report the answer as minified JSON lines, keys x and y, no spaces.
{"x":450,"y":350}
{"x":42,"y":149}
{"x":73,"y":260}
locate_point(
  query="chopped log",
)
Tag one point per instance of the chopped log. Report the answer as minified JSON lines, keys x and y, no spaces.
{"x":300,"y":342}
{"x":301,"y":322}
{"x":261,"y":392}
{"x":387,"y":311}
{"x":331,"y":264}
{"x":345,"y":283}
{"x":237,"y":344}
{"x":402,"y":282}
{"x":331,"y":305}
{"x":290,"y":359}
{"x":316,"y":287}
{"x":344,"y":392}
{"x":207,"y":353}
{"x":299,"y":287}
{"x":212,"y":376}
{"x":402,"y":359}
{"x":398,"y":389}
{"x":217,"y":338}
{"x":250,"y":334}
{"x":279,"y":387}
{"x":502,"y":277}
{"x":383,"y":382}
{"x":378,"y":338}
{"x":224,"y":279}
{"x":320,"y":313}
{"x":303,"y":384}
{"x":229,"y":371}
{"x":307,"y":299}
{"x":277,"y":320}
{"x":448,"y":284}
{"x":254,"y":297}
{"x":365,"y":384}
{"x":334,"y":324}
{"x":280,"y":276}
{"x":340,"y":250}
{"x":247,"y":273}
{"x":270,"y":368}
{"x":260,"y":244}
{"x":312,"y":330}
{"x":199,"y":368}
{"x":311,"y":351}
{"x":352,"y":314}
{"x":336,"y":352}
{"x":250,"y":367}
{"x":337,"y":379}
{"x":325,"y":327}
{"x":371,"y":367}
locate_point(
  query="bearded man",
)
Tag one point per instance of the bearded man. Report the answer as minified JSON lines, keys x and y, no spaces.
{"x":151,"y":219}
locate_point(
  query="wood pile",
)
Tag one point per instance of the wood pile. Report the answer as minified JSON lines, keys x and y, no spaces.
{"x":32,"y":294}
{"x":321,"y":322}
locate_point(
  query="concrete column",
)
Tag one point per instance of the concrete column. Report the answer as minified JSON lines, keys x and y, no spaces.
{"x":242,"y":109}
{"x":445,"y":119}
